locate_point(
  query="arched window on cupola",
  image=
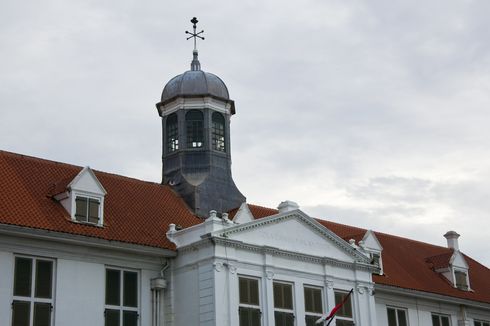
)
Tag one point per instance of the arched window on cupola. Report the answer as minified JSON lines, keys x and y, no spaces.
{"x":218,"y":132}
{"x":172,"y":128}
{"x":194,"y":120}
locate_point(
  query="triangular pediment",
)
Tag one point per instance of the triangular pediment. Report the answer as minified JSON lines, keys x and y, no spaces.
{"x":86,"y":181}
{"x":371,"y":241}
{"x":293,"y":232}
{"x":457,"y":260}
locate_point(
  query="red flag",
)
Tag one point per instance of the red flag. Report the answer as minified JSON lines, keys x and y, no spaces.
{"x":334,"y":310}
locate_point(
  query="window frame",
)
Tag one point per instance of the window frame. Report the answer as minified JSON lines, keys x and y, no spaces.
{"x":197,"y":130}
{"x":88,"y":197}
{"x":32,"y":299}
{"x":121,"y":307}
{"x":172,"y":144}
{"x":317,"y":315}
{"x":284,"y":310}
{"x":396,"y":309}
{"x":248,"y":305}
{"x":218,"y":132}
{"x":440,"y":316}
{"x":463,"y":287}
{"x":344,"y":318}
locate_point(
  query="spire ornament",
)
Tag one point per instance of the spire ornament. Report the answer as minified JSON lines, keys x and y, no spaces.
{"x":195,"y":64}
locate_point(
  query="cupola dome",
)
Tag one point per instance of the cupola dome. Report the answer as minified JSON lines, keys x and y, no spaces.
{"x":195,"y":82}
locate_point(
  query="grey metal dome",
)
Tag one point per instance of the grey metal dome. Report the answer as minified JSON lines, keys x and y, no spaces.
{"x":195,"y":82}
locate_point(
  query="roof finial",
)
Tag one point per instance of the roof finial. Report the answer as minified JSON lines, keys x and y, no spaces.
{"x":195,"y":65}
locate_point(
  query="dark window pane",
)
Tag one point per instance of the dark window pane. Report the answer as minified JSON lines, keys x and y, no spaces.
{"x":254,"y":317}
{"x":249,"y":291}
{"x":42,"y":314}
{"x":313,"y":300}
{"x":391,"y":317}
{"x":218,"y":132}
{"x":130,"y":318}
{"x":311,"y":320}
{"x":195,"y":129}
{"x":254,"y":291}
{"x":444,"y":321}
{"x":402,"y":317}
{"x":243,"y":290}
{"x":283,"y":296}
{"x":172,"y":133}
{"x":81,"y":209}
{"x":23,"y":277}
{"x":249,"y":316}
{"x":112,"y":287}
{"x":130,"y":289}
{"x":339,"y":322}
{"x":283,"y":318}
{"x":93,"y":211}
{"x":21,"y":313}
{"x":44,"y":274}
{"x":346,"y":309}
{"x":435,"y":320}
{"x":244,"y":316}
{"x":111,"y":317}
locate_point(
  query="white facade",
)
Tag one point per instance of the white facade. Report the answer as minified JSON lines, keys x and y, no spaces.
{"x":289,"y":248}
{"x":79,"y":273}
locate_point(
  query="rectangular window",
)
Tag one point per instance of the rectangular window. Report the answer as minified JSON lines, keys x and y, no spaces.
{"x":33,"y":292}
{"x":313,"y":305}
{"x":121,"y":298}
{"x":283,"y":304}
{"x":87,"y":209}
{"x":249,"y":305}
{"x":397,"y":317}
{"x":440,"y":320}
{"x":481,"y":323}
{"x":461,"y":280}
{"x":344,"y":315}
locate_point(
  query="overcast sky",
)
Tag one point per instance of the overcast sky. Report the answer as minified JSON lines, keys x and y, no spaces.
{"x":369,"y":113}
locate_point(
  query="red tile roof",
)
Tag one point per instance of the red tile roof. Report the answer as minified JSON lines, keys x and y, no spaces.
{"x":135,"y":211}
{"x":139,"y":212}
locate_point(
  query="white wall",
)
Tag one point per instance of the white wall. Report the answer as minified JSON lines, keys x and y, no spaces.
{"x":79,"y":278}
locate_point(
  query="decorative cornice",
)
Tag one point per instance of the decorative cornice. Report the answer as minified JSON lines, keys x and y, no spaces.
{"x":292,"y":255}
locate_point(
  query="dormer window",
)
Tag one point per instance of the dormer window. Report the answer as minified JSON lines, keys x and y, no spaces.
{"x":87,"y":209}
{"x":83,"y":198}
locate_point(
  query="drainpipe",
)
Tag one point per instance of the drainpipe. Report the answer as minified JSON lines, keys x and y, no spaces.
{"x":463,"y":321}
{"x":158,"y":285}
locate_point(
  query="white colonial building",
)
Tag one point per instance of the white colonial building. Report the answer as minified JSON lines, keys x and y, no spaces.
{"x":82,"y":247}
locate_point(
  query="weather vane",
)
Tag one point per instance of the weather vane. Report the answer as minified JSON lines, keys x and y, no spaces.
{"x":194,"y":35}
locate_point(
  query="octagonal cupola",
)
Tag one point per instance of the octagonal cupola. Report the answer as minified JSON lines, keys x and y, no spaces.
{"x":195,"y":109}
